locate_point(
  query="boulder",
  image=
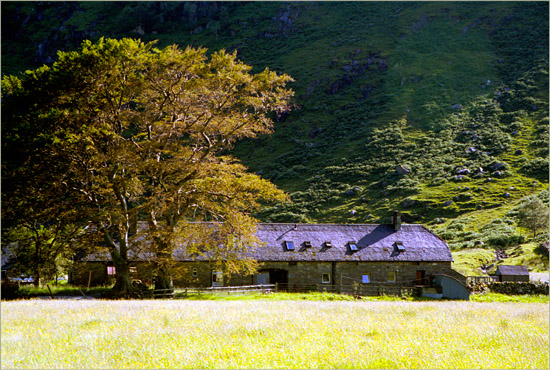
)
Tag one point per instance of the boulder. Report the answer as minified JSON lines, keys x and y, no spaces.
{"x":403,"y":170}
{"x":408,"y":203}
{"x":350,"y":192}
{"x":463,"y":171}
{"x":519,"y":152}
{"x":447,"y":203}
{"x":498,"y":166}
{"x":457,"y":107}
{"x":507,"y":195}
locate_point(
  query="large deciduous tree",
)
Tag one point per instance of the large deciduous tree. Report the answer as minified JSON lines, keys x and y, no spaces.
{"x":131,"y":132}
{"x":533,"y":215}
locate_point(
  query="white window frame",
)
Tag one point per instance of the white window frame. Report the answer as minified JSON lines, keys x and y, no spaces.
{"x":325,"y":281}
{"x":111,"y":270}
{"x":394,"y":276}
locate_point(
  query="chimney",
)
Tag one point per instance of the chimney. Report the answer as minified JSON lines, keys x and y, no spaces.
{"x":396,"y":220}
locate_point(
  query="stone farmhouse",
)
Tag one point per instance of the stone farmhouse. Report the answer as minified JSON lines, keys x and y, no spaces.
{"x":320,"y":255}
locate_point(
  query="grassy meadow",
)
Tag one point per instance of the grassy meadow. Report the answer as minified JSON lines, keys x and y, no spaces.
{"x":90,"y":334}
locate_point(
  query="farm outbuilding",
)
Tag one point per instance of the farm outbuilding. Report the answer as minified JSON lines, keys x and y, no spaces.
{"x":512,"y":273}
{"x":322,"y":256}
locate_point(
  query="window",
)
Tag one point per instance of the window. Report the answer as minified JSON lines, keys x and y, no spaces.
{"x":399,"y":246}
{"x":328,"y":244}
{"x":289,"y":245}
{"x":325,"y":279}
{"x":307,"y":244}
{"x":111,"y":270}
{"x":195,"y":272}
{"x":391,"y":275}
{"x":217,"y":278}
{"x":353,"y":246}
{"x":133,"y":270}
{"x":365,"y":279}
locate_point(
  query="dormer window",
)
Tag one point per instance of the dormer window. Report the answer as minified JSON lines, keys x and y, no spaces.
{"x":353,"y":246}
{"x":328,"y":245}
{"x":400,"y":247}
{"x":307,"y":244}
{"x":289,"y":245}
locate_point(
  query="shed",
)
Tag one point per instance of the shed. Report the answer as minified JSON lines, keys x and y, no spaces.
{"x":512,"y":273}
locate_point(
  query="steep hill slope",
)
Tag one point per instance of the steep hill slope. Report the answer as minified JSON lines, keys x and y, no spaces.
{"x":438,"y":109}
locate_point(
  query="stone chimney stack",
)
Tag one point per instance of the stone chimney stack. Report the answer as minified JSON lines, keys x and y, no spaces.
{"x":396,"y":220}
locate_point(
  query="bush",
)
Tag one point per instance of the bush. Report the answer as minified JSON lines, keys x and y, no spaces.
{"x":504,"y":241}
{"x":537,"y":168}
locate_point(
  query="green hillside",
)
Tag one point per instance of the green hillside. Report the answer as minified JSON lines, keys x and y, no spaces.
{"x":437,"y":109}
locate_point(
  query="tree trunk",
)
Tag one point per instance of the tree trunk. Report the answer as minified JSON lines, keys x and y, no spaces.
{"x":123,"y":287}
{"x":36,"y":276}
{"x":163,"y":281}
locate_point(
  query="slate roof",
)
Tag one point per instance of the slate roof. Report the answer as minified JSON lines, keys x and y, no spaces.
{"x":374,"y":242}
{"x":512,"y":270}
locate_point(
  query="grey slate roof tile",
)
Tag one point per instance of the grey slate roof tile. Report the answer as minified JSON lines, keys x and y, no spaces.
{"x":512,"y":270}
{"x":374,"y":242}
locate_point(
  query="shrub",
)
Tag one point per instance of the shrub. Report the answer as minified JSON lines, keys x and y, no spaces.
{"x":505,"y":241}
{"x":537,"y":168}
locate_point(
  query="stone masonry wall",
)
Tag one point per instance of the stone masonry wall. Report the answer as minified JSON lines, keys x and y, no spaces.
{"x":311,"y":273}
{"x":199,"y":274}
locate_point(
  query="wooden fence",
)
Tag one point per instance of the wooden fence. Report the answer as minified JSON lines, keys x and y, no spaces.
{"x":349,"y":289}
{"x":241,"y":289}
{"x":354,"y":289}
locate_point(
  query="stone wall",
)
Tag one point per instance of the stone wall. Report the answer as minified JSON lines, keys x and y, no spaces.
{"x":311,"y":273}
{"x":199,"y":274}
{"x":518,"y":288}
{"x":94,"y":273}
{"x":509,"y":287}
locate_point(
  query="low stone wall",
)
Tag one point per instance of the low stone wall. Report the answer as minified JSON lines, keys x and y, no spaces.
{"x":510,"y":287}
{"x":516,"y":288}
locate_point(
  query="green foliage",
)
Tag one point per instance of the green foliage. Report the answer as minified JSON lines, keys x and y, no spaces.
{"x":537,"y":168}
{"x":437,"y":87}
{"x":129,"y":132}
{"x":533,"y":215}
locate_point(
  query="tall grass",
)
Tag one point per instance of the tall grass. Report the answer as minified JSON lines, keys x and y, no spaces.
{"x":273,"y":334}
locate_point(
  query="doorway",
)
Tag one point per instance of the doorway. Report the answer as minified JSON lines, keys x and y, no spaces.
{"x":420,"y":277}
{"x":272,"y":276}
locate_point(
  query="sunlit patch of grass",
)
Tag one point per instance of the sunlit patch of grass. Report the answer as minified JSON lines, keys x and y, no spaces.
{"x":497,"y":297}
{"x":273,"y":334}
